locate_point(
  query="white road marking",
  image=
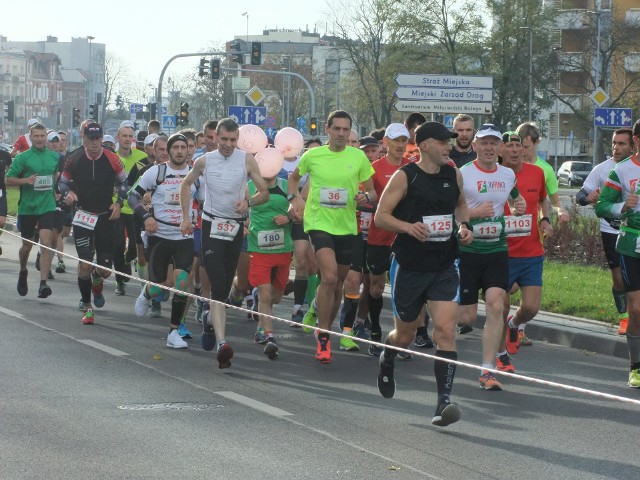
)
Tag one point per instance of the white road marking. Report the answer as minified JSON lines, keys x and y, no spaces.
{"x":104,"y":348}
{"x":11,"y":313}
{"x":255,"y":404}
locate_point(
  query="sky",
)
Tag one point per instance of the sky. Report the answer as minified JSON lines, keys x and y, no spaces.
{"x":127,"y":27}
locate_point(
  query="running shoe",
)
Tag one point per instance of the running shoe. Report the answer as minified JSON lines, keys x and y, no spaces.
{"x":184,"y":332}
{"x":634,"y":378}
{"x":50,"y":276}
{"x":524,"y":340}
{"x":297,"y":317}
{"x":271,"y":349}
{"x":142,"y":304}
{"x":488,"y":381}
{"x":38,"y":261}
{"x":503,"y":363}
{"x":96,"y":289}
{"x":87,"y":319}
{"x":386,"y":382}
{"x":446,"y":413}
{"x":156,"y":309}
{"x":61,"y":268}
{"x":464,"y":329}
{"x":174,"y":340}
{"x":44,"y":290}
{"x":288,"y":288}
{"x":423,"y":341}
{"x":405,"y":356}
{"x":348,"y":344}
{"x":622,"y":329}
{"x":23,"y":286}
{"x":359,"y":331}
{"x":236,"y":301}
{"x":374,"y":350}
{"x":225,"y":354}
{"x":310,"y":319}
{"x":208,"y":337}
{"x":513,"y":339}
{"x":323,"y":351}
{"x":260,"y":336}
{"x":120,"y":290}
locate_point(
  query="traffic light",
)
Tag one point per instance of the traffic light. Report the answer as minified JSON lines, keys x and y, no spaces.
{"x":215,"y":69}
{"x":119,"y":101}
{"x":313,"y":126}
{"x":184,"y":114}
{"x":75,"y":117}
{"x":93,"y":111}
{"x":256,"y":53}
{"x":202,"y":69}
{"x":10,"y":111}
{"x":151,"y":107}
{"x":236,"y":57}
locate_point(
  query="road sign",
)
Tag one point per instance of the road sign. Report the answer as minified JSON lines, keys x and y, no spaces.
{"x":270,"y":121}
{"x":448,"y":121}
{"x":248,"y":115}
{"x":444,"y":81}
{"x":240,"y":84}
{"x":164,"y":110}
{"x":168,"y":121}
{"x":255,"y":95}
{"x":443,"y":107}
{"x":613,"y":117}
{"x":136,"y":107}
{"x":445,"y":94}
{"x":599,"y":96}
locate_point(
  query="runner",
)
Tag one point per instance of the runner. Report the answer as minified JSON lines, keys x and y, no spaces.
{"x":619,"y":199}
{"x":484,"y":264}
{"x":412,"y":152}
{"x":335,"y":171}
{"x":166,"y":243}
{"x":24,"y":141}
{"x":35,"y":171}
{"x":88,"y":180}
{"x":419,"y":204}
{"x":225,"y":173}
{"x":462,"y":152}
{"x":622,"y":147}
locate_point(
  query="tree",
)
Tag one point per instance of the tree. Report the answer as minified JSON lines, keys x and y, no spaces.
{"x":116,"y":75}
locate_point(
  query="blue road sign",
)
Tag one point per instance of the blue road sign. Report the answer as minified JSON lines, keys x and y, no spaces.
{"x":612,"y":117}
{"x":168,"y":121}
{"x":136,"y":107}
{"x":448,"y":121}
{"x":248,"y":115}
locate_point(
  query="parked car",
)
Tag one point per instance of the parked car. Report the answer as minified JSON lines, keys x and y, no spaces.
{"x":573,"y":173}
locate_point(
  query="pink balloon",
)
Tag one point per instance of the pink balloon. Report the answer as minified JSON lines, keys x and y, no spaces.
{"x":290,"y":141}
{"x":252,"y":139}
{"x":270,"y":161}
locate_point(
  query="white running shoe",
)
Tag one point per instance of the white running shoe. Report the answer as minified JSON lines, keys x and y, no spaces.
{"x":142,"y":307}
{"x":174,"y":340}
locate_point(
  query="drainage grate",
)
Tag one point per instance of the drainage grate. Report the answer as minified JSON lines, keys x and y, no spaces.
{"x":169,"y":406}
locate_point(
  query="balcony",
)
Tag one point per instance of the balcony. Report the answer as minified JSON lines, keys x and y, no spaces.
{"x":632,"y":62}
{"x":572,"y":61}
{"x":572,"y":19}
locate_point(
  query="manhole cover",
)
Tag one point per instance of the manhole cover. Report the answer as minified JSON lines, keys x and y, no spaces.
{"x":169,"y":406}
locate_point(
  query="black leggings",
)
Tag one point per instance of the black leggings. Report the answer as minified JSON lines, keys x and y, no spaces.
{"x":125,"y":222}
{"x":220,"y":260}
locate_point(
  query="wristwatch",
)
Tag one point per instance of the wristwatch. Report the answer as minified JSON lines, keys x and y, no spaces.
{"x":291,"y":196}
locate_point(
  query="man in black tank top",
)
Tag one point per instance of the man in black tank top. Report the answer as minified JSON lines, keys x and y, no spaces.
{"x":419,"y":204}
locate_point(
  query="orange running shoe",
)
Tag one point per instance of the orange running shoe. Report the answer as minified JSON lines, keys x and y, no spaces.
{"x":622,"y":329}
{"x":503,"y":363}
{"x":512,"y":340}
{"x":88,"y":316}
{"x":323,"y":352}
{"x":524,"y":340}
{"x":488,"y":381}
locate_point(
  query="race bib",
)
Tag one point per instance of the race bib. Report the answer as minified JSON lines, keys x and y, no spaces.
{"x":517,"y":226}
{"x":43,"y":183}
{"x":172,"y":197}
{"x":85,"y":220}
{"x":333,"y":197}
{"x":487,"y":231}
{"x":440,"y":227}
{"x":365,"y":221}
{"x":271,"y":239}
{"x":223,"y":229}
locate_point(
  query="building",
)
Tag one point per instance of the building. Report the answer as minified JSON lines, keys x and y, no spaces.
{"x":12,"y":87}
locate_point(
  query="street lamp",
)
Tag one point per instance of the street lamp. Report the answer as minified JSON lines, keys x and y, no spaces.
{"x":596,"y":78}
{"x":530,"y":68}
{"x":246,"y":14}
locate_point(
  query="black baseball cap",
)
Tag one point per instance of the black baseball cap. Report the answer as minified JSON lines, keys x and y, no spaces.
{"x":93,"y":131}
{"x":435,"y":130}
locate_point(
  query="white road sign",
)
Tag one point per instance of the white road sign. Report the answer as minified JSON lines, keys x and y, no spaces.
{"x":443,"y":81}
{"x":448,"y":94}
{"x":436,"y":106}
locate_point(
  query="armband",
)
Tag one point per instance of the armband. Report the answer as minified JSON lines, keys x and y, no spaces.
{"x":544,"y":219}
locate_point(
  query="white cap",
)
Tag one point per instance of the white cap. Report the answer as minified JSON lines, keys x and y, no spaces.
{"x":32,"y":122}
{"x":108,"y":138}
{"x":127,"y":123}
{"x":149,"y":139}
{"x":52,"y":136}
{"x":395,"y":130}
{"x":488,"y":130}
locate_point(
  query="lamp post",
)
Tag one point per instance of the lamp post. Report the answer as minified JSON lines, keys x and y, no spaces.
{"x":530,"y":68}
{"x":90,"y":93}
{"x":596,"y":76}
{"x":246,"y":14}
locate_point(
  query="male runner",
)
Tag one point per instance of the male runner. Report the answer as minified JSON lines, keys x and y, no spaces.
{"x":462,"y":152}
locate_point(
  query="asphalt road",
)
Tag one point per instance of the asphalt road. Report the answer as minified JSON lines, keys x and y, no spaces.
{"x":111,"y":401}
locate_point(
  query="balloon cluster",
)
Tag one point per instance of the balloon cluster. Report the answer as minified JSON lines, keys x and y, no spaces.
{"x":287,"y":146}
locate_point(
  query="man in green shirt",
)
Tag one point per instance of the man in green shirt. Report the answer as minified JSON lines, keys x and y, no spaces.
{"x":35,"y":171}
{"x":335,"y":173}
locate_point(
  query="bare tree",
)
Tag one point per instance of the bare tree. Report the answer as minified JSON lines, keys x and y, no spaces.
{"x":116,"y":76}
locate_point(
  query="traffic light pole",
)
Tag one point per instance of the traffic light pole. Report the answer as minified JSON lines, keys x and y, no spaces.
{"x":229,"y":69}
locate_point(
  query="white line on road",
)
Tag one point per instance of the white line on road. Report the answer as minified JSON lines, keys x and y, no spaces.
{"x":11,"y":313}
{"x":255,"y":404}
{"x":104,"y":348}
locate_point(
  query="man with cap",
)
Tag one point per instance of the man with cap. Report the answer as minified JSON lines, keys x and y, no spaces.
{"x":335,"y":172}
{"x":109,"y":142}
{"x":167,"y":245}
{"x":524,"y":242}
{"x":370,"y":146}
{"x":396,"y":138}
{"x":34,"y":171}
{"x":419,"y":205}
{"x":87,"y":180}
{"x":484,"y":263}
{"x":24,"y":141}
